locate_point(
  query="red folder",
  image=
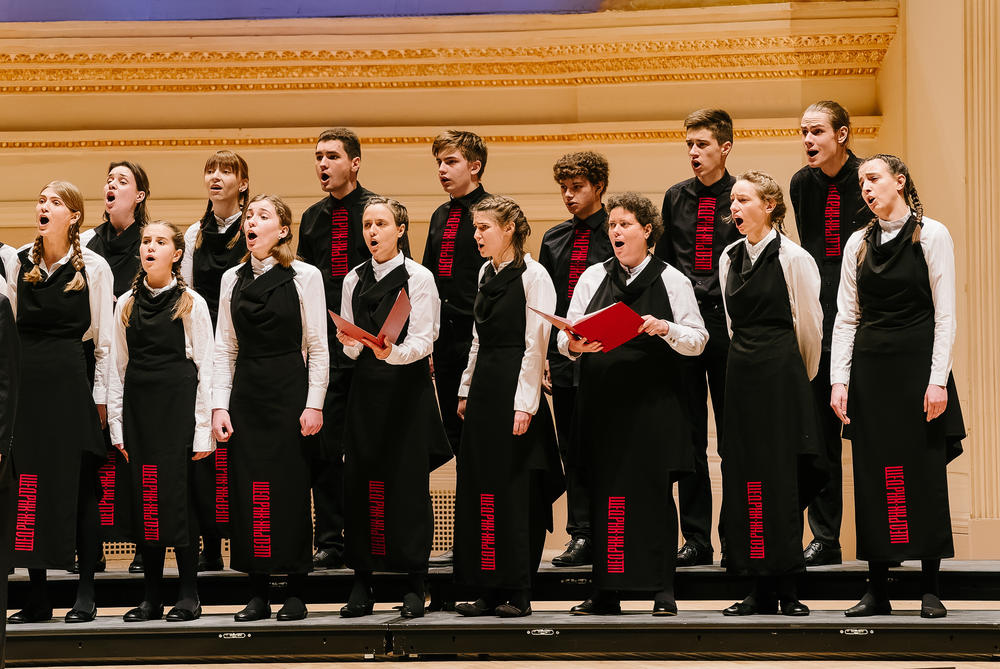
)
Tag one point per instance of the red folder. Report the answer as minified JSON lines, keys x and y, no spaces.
{"x":612,"y":326}
{"x":391,"y":328}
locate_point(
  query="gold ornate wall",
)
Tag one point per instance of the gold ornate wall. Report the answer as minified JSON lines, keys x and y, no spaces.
{"x":167,"y":94}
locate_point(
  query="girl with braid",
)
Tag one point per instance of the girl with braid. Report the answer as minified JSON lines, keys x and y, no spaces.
{"x":892,"y":384}
{"x":213,"y":245}
{"x":159,"y":411}
{"x":62,"y":299}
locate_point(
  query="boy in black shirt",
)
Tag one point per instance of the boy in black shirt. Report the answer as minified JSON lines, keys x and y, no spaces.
{"x":567,"y":250}
{"x":695,"y":233}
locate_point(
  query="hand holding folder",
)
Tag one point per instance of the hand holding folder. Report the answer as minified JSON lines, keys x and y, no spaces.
{"x":391,"y":328}
{"x":612,"y":326}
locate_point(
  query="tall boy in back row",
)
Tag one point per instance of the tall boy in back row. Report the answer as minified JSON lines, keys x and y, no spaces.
{"x":695,"y":233}
{"x":452,"y":255}
{"x":567,"y":250}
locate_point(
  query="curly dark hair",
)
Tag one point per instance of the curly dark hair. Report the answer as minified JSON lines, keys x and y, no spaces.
{"x":590,"y":165}
{"x":643,"y":209}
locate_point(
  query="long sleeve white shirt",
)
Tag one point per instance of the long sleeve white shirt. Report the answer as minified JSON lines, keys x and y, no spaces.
{"x":686,"y":334}
{"x":939,"y":253}
{"x":540,"y":294}
{"x":100,"y":282}
{"x":315,"y":350}
{"x":803,"y":282}
{"x":425,"y":310}
{"x":199,"y":343}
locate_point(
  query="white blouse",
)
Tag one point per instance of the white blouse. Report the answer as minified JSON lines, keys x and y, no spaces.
{"x":803,"y":283}
{"x":686,"y":335}
{"x":540,"y":294}
{"x":425,"y":310}
{"x":939,"y":252}
{"x":100,"y":282}
{"x":191,"y":238}
{"x":315,"y":350}
{"x":199,"y":342}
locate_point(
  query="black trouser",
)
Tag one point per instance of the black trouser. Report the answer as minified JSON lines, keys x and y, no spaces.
{"x":826,"y":509}
{"x":326,"y":466}
{"x":577,"y":492}
{"x":8,"y":500}
{"x":451,"y":357}
{"x":706,"y":373}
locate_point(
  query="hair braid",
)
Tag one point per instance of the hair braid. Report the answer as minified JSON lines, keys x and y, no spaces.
{"x":127,"y":306}
{"x":35,"y":275}
{"x":185,"y":303}
{"x":78,"y":282}
{"x":918,"y":209}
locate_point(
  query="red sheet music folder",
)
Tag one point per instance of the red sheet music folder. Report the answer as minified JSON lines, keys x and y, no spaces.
{"x":612,"y":326}
{"x":390,"y":329}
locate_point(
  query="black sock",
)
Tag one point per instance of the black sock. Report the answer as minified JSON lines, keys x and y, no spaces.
{"x":929,"y":582}
{"x":38,"y":593}
{"x":878,"y":581}
{"x":259,"y":586}
{"x":786,"y":588}
{"x":296,"y":586}
{"x":152,"y":559}
{"x":187,"y":571}
{"x":211,"y":545}
{"x":361,"y":591}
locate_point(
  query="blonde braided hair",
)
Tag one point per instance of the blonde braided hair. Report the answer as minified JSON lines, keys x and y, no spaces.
{"x":73,"y":199}
{"x":185,"y":302}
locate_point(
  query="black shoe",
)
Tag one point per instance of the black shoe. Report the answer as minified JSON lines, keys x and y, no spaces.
{"x":869,"y":606}
{"x":143,"y":613}
{"x":257,"y":609}
{"x":817,"y":554}
{"x":750,"y":607}
{"x":100,"y":567}
{"x":136,"y":566}
{"x":931,"y":607}
{"x":181,"y":615}
{"x":724,"y":560}
{"x":577,"y":554}
{"x":357,"y":609}
{"x":508,"y":610}
{"x":480,"y":607}
{"x":293,"y":609}
{"x":597,"y":607}
{"x":325,"y":558}
{"x":78,"y":616}
{"x":30,"y":616}
{"x":413,"y":606}
{"x":446,"y":559}
{"x":793,"y":607}
{"x":690,"y":555}
{"x":664,"y":608}
{"x":206,"y":563}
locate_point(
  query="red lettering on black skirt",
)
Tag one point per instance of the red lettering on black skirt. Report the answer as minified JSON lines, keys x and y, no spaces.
{"x":261,"y":491}
{"x":150,"y":504}
{"x":222,"y":484}
{"x":755,"y":506}
{"x":376,"y":516}
{"x":487,"y":533}
{"x":27,"y":505}
{"x":106,"y":507}
{"x":895,"y":499}
{"x":616,"y":535}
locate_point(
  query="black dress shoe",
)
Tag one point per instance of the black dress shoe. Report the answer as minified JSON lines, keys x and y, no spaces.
{"x":30,"y":616}
{"x":690,"y":555}
{"x":413,"y":606}
{"x":78,"y":616}
{"x":143,"y":613}
{"x":869,"y":606}
{"x":931,"y":607}
{"x":257,"y":609}
{"x":751,"y":607}
{"x":577,"y":554}
{"x":357,"y":609}
{"x":597,"y":607}
{"x":446,"y":559}
{"x":793,"y":607}
{"x":181,"y":615}
{"x":508,"y":610}
{"x":325,"y":558}
{"x":100,"y":567}
{"x":817,"y":554}
{"x":206,"y":563}
{"x":664,"y":608}
{"x":480,"y":607}
{"x":135,"y":567}
{"x":293,"y":609}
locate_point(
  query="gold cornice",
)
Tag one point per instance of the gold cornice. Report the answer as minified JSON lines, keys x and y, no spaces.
{"x":863,"y":132}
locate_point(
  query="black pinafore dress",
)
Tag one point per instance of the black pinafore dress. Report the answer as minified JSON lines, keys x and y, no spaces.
{"x":271,"y":526}
{"x":772,"y":467}
{"x":900,"y":477}
{"x":57,"y":423}
{"x":634,"y":444}
{"x":161,"y":385}
{"x":505,"y":484}
{"x":208,"y":263}
{"x":389,"y":454}
{"x":115,"y":519}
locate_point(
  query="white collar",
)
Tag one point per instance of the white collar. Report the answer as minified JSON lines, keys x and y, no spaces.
{"x":892,"y":226}
{"x":261,"y":266}
{"x":634,"y":271}
{"x":755,"y":249}
{"x":156,"y":291}
{"x":390,"y":264}
{"x":57,"y":264}
{"x":224,"y":223}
